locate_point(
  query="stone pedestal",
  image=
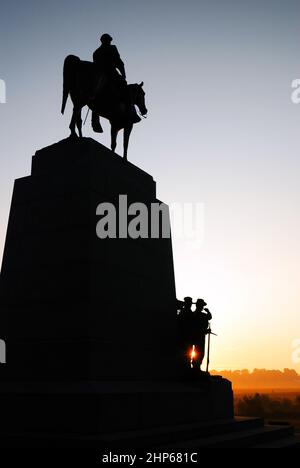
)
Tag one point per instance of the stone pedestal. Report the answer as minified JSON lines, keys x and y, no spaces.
{"x":89,"y":323}
{"x":74,"y":306}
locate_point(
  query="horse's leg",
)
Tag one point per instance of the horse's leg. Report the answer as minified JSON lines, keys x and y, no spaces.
{"x":79,"y":122}
{"x":127,"y":131}
{"x":113,"y":133}
{"x":76,"y":120}
{"x":96,"y":125}
{"x":73,"y":122}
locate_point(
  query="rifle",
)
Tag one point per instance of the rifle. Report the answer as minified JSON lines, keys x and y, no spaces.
{"x":209,"y":332}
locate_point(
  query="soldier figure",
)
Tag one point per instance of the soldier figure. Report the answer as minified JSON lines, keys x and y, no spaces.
{"x":111,"y":75}
{"x":108,"y":60}
{"x":202,"y":316}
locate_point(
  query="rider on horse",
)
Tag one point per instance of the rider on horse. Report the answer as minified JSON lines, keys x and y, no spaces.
{"x":112,"y":77}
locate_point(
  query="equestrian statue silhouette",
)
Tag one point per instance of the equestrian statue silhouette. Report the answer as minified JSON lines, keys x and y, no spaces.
{"x":101,"y":85}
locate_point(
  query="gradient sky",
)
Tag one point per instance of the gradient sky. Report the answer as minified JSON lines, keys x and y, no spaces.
{"x":221,"y":131}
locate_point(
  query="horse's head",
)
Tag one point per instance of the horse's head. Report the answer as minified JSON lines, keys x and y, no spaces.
{"x":138,"y":98}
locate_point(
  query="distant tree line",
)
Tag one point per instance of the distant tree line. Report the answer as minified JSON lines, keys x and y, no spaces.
{"x":260,"y":378}
{"x":268,"y":406}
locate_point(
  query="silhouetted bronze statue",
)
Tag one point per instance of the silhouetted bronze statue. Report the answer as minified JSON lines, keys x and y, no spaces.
{"x":193,"y":327}
{"x":202,"y":316}
{"x":108,"y":60}
{"x":112,"y":77}
{"x":104,"y":90}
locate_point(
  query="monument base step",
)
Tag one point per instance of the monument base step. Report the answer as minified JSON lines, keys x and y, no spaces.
{"x":243,"y":437}
{"x":231,"y":433}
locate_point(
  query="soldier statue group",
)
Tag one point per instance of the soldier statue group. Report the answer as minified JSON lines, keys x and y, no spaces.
{"x":193,"y":326}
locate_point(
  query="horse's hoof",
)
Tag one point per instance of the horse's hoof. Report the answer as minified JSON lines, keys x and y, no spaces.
{"x":73,"y":136}
{"x":97,"y":129}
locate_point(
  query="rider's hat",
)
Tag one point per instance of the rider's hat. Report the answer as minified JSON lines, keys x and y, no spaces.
{"x":105,"y":38}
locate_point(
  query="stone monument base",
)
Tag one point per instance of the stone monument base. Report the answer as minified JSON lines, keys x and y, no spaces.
{"x":111,"y":407}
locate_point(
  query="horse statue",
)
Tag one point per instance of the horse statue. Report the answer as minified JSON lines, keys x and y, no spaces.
{"x":81,"y":82}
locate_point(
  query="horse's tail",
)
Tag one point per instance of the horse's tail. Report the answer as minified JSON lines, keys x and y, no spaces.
{"x":70,"y":64}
